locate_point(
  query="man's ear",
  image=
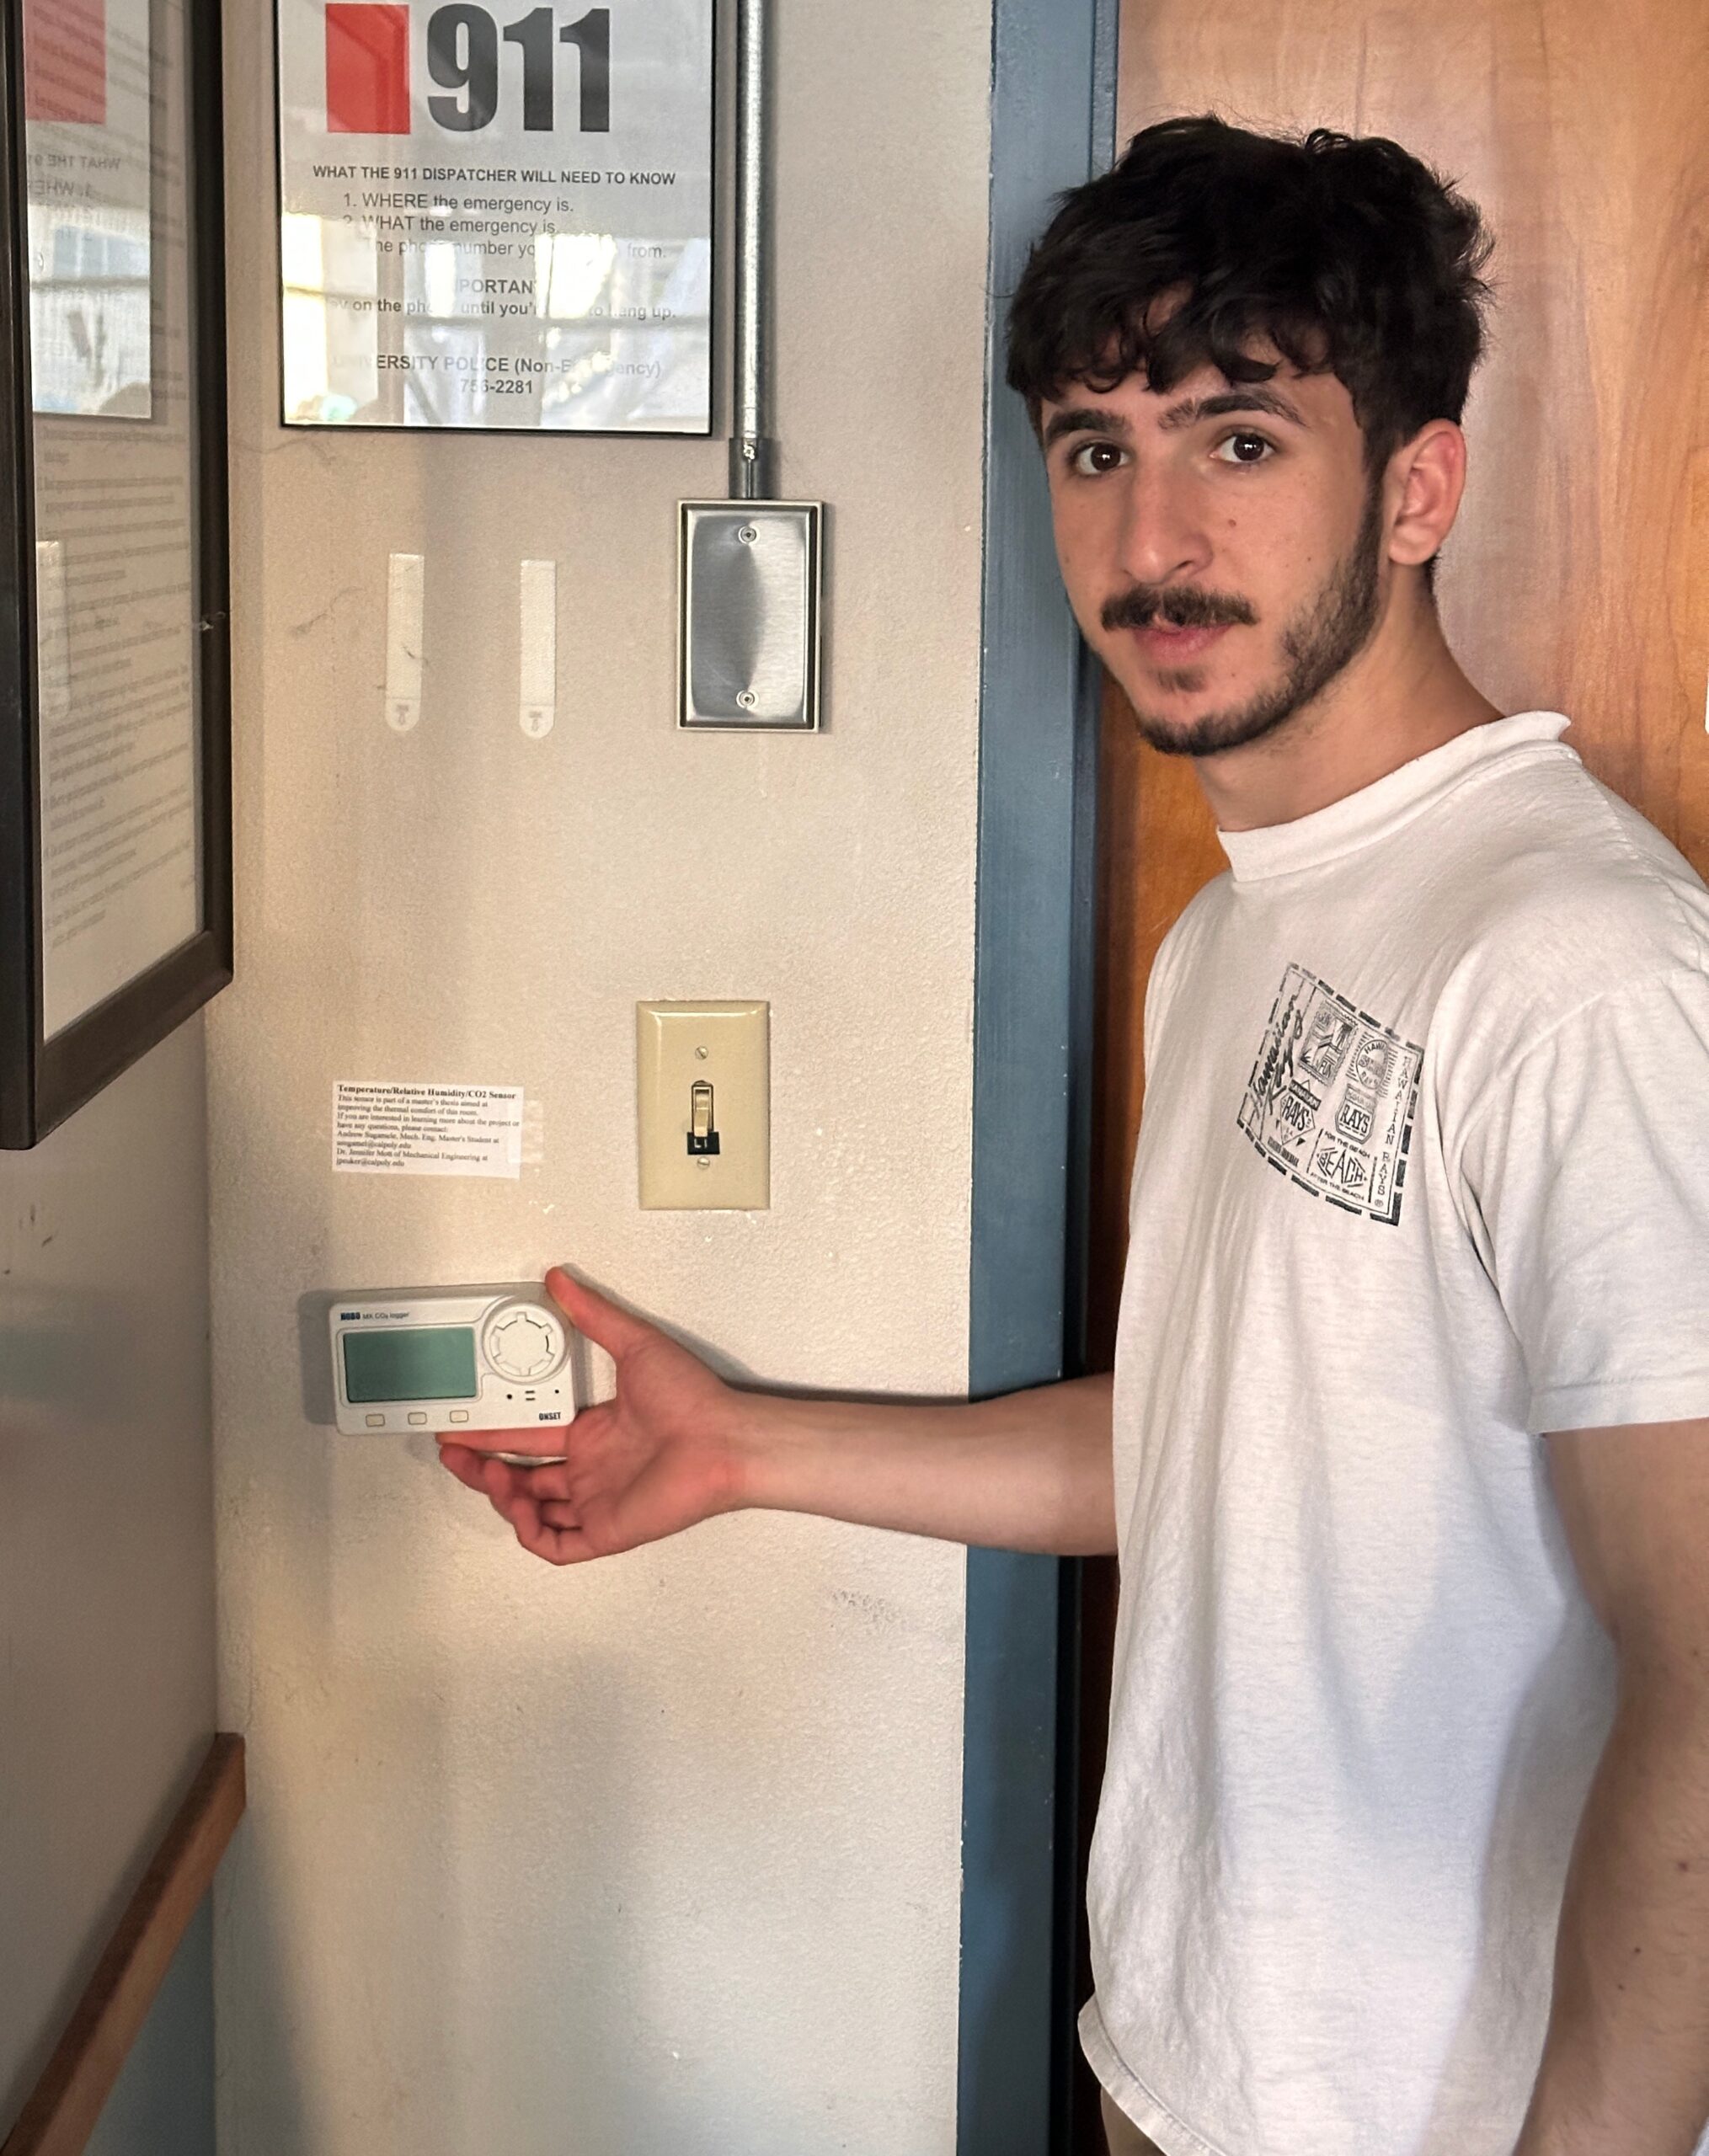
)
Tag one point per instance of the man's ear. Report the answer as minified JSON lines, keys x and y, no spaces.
{"x":1425,"y":480}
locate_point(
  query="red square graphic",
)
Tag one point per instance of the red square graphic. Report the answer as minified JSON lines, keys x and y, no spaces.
{"x":65,"y":61}
{"x":367,"y":67}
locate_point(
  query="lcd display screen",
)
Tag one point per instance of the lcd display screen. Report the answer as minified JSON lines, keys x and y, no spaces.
{"x":431,"y":1362}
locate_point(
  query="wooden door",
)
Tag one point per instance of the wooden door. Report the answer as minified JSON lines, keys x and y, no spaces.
{"x":1577,"y":576}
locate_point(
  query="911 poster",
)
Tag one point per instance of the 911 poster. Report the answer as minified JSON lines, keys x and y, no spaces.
{"x":88,"y":141}
{"x":496,"y":215}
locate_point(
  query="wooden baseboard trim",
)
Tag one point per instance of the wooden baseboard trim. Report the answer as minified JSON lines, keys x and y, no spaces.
{"x":65,"y":2103}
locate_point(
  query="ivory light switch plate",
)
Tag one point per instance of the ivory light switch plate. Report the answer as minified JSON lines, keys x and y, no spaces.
{"x":702,"y":1077}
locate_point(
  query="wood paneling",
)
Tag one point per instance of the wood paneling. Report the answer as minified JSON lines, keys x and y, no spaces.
{"x":1157,"y":846}
{"x":1578,"y":577}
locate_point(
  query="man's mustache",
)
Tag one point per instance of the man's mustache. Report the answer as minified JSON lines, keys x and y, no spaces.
{"x":1182,"y":605}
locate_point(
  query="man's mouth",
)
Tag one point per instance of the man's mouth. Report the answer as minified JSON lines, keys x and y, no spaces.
{"x":1174,"y":626}
{"x":1171,"y":646}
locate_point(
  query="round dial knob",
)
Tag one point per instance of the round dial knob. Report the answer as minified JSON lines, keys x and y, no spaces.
{"x":524,"y":1342}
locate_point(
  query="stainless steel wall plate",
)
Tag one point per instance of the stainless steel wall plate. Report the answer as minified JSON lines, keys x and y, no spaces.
{"x":747,"y":608}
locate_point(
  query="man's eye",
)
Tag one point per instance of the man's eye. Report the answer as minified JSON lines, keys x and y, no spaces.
{"x":1093,"y":458}
{"x":1245,"y":449}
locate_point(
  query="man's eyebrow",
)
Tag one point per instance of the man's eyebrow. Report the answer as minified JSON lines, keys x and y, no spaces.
{"x":1085,"y":419}
{"x":1251,"y":398}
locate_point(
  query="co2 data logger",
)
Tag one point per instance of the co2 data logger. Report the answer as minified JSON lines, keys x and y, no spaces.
{"x":452,"y":1360}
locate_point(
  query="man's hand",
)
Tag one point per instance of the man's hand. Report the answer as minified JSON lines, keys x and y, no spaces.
{"x":1032,"y":1470}
{"x":660,"y":1456}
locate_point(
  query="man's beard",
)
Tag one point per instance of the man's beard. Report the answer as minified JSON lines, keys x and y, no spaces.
{"x":1323,"y":638}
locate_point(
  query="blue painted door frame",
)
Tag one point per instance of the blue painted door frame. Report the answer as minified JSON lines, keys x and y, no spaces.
{"x":1053,"y":95}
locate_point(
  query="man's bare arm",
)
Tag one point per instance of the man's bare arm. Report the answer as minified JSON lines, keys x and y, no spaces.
{"x":1030,"y":1471}
{"x":1626,"y":2066}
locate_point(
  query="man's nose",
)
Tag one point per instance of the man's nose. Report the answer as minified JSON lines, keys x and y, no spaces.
{"x":1163,"y":537}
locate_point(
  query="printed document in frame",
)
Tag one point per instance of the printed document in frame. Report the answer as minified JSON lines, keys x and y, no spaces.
{"x":496,"y":214}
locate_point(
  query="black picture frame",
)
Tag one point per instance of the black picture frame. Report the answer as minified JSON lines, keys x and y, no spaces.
{"x":42,"y":1081}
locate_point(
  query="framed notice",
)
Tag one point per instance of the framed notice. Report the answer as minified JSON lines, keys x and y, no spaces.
{"x":114,"y":786}
{"x":496,"y":214}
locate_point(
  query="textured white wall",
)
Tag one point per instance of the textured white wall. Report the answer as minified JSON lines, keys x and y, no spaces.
{"x":106,"y":1532}
{"x":660,"y":1854}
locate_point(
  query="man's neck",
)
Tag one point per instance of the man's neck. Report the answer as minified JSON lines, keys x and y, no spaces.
{"x":1403,"y":695}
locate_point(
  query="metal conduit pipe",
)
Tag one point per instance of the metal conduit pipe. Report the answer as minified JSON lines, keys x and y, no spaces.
{"x":752,"y":455}
{"x":750,"y":570}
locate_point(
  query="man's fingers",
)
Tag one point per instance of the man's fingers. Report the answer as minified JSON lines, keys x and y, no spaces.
{"x":479,"y":1470}
{"x":499,"y":1480}
{"x":616,"y":1330}
{"x":465,"y":1465}
{"x":558,"y":1546}
{"x":537,"y":1442}
{"x":535,"y":1501}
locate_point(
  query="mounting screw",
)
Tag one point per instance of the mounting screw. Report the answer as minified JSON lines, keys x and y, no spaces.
{"x":747,"y":534}
{"x":746,"y":699}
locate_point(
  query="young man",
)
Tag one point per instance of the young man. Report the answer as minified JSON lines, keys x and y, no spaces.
{"x":1404,"y":1842}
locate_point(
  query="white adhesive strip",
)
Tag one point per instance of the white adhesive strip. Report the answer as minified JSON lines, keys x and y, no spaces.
{"x":538,"y":672}
{"x":403,"y":642}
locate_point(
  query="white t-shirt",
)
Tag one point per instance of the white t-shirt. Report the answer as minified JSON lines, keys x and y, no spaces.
{"x":1424,"y":1171}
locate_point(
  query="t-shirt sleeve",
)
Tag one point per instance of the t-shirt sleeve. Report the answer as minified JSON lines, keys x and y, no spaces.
{"x":1586,"y":1173}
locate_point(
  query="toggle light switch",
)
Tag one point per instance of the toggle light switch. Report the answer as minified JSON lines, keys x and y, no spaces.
{"x":702,"y":1095}
{"x":703,"y":1139}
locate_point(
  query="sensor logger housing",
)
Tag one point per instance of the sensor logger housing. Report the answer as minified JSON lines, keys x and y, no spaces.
{"x":456,"y":1359}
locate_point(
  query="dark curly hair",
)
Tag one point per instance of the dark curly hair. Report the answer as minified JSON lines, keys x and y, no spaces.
{"x":1344,"y":253}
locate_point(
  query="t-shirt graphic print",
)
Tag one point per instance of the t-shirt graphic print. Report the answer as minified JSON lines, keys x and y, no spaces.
{"x":1331,"y":1099}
